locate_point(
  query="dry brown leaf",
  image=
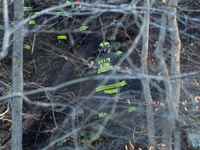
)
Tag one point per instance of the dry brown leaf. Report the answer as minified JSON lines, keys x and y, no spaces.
{"x":163,"y":145}
{"x":152,"y":103}
{"x":131,"y":145}
{"x":156,"y":109}
{"x":185,"y":108}
{"x":151,"y":148}
{"x":128,"y":101}
{"x":196,"y":99}
{"x":142,"y":127}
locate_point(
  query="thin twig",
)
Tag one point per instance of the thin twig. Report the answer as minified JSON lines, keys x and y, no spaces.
{"x":130,"y":39}
{"x":33,"y":44}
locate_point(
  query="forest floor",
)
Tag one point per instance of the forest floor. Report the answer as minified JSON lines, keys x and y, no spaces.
{"x":52,"y":64}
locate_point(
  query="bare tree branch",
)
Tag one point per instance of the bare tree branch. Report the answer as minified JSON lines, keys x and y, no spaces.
{"x":145,"y":82}
{"x":17,"y":69}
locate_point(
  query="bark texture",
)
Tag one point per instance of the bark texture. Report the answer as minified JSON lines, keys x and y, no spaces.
{"x":175,"y":65}
{"x":175,"y":50}
{"x":145,"y":82}
{"x":166,"y":133}
{"x":170,"y":114}
{"x":16,"y":103}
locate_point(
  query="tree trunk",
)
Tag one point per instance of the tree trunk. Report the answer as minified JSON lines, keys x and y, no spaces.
{"x":145,"y":82}
{"x":171,"y":114}
{"x":16,"y":103}
{"x":175,"y":64}
{"x":166,"y":132}
{"x":175,"y":51}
